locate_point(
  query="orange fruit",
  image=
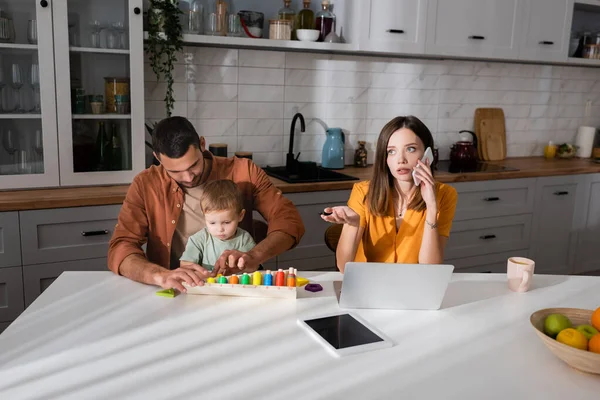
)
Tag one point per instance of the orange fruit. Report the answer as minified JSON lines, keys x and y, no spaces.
{"x":574,"y":338}
{"x":594,"y":344}
{"x":596,"y":318}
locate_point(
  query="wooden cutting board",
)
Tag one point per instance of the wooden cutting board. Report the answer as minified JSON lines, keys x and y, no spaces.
{"x":494,"y":142}
{"x":491,"y":135}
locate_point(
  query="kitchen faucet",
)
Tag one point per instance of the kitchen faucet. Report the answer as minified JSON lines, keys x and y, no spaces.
{"x":291,"y":162}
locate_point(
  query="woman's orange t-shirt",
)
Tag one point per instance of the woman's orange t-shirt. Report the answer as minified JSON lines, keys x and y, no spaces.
{"x":381,"y":242}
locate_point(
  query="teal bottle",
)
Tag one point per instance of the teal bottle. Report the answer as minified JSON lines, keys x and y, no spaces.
{"x":333,"y":149}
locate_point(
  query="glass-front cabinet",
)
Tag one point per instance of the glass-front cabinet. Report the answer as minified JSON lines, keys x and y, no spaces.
{"x":72,"y":107}
{"x":28,"y":129}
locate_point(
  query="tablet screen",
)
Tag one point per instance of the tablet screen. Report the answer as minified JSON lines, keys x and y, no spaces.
{"x":343,"y":331}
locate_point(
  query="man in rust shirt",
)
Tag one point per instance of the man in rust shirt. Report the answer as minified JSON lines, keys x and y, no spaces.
{"x":162,"y":209}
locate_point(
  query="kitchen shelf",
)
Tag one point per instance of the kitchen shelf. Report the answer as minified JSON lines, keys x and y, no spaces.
{"x":101,"y":116}
{"x":18,"y":46}
{"x":21,"y":116}
{"x":98,"y":50}
{"x":583,"y":61}
{"x":228,"y":41}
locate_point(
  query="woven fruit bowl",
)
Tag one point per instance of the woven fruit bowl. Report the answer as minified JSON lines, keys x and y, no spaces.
{"x":581,"y":360}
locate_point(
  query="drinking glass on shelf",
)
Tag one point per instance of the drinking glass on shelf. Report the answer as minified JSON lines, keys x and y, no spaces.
{"x":38,"y":148}
{"x":121,"y":33}
{"x":17,"y":84}
{"x":35,"y":84}
{"x":24,"y":162}
{"x":95,"y":27}
{"x":2,"y":86}
{"x":112,"y":39}
{"x":10,"y":142}
{"x":32,"y":36}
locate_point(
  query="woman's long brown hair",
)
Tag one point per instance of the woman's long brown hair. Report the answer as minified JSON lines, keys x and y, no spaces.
{"x":382,"y":182}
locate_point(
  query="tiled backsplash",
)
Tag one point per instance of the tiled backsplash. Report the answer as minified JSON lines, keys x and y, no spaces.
{"x":246,"y":98}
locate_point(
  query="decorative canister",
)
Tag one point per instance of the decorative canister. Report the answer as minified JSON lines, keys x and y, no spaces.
{"x":360,"y":155}
{"x":114,"y":86}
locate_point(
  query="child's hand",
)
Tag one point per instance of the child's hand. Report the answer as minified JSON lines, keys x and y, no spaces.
{"x":235,"y":261}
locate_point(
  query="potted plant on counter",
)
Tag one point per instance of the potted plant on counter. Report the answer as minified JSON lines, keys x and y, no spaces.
{"x":163,"y":43}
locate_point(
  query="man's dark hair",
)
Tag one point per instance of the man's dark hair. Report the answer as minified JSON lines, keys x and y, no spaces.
{"x":173,"y":136}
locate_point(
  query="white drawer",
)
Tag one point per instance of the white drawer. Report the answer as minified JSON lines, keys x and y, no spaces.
{"x":488,"y":236}
{"x":67,"y":233}
{"x":493,"y":263}
{"x":494,"y":198}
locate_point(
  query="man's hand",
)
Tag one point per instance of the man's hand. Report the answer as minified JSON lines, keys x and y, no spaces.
{"x":234,"y":261}
{"x":188,"y":272}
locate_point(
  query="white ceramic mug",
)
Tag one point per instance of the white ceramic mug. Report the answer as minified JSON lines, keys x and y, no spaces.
{"x":520,"y":273}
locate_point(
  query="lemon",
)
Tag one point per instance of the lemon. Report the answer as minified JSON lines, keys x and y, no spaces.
{"x":572,"y":337}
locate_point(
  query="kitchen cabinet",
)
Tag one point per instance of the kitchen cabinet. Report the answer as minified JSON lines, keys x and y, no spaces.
{"x":395,"y":26}
{"x":47,"y":109}
{"x":553,"y":236}
{"x":37,"y":278}
{"x":473,"y":28}
{"x":494,"y":198}
{"x":588,"y":227}
{"x":488,"y":236}
{"x":67,"y":233}
{"x":546,"y":26}
{"x":11,"y":293}
{"x":10,"y":242}
{"x":312,"y":252}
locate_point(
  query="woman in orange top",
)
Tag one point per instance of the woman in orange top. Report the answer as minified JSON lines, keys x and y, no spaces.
{"x":389,"y":218}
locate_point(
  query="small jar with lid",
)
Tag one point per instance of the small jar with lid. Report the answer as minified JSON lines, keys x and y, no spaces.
{"x":280,"y":29}
{"x":591,"y":51}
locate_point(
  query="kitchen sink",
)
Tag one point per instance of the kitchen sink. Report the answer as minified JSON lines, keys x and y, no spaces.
{"x":307,"y":172}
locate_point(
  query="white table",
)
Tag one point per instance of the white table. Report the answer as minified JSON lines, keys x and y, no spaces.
{"x":93,"y":335}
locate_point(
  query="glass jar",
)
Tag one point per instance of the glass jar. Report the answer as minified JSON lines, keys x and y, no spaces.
{"x":360,"y":155}
{"x":287,"y":12}
{"x":280,"y":29}
{"x":113,"y":87}
{"x":306,"y":17}
{"x":324,"y":21}
{"x":591,"y":51}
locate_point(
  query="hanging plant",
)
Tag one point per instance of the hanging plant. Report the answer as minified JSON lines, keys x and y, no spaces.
{"x":164,"y":42}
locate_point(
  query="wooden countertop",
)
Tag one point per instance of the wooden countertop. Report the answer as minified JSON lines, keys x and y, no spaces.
{"x":528,"y":167}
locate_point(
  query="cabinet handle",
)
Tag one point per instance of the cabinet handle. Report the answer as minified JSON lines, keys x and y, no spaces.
{"x":491,"y":199}
{"x":395,"y":31}
{"x":487,"y":237}
{"x":477,"y":37}
{"x":547,"y":42}
{"x":561,"y":193}
{"x":137,"y":11}
{"x":44,"y":3}
{"x":94,"y":233}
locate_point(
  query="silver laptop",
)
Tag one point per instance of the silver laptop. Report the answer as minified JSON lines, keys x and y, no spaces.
{"x":394,"y":286}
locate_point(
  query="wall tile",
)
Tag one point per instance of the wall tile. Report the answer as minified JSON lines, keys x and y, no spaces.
{"x":264,"y":93}
{"x":261,"y":76}
{"x":210,"y":56}
{"x":260,"y":127}
{"x":260,"y":110}
{"x":219,"y":110}
{"x":210,"y":74}
{"x":210,"y":92}
{"x":260,"y":58}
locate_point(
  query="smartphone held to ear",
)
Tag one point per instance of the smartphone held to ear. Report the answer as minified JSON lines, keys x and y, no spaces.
{"x":427,"y":159}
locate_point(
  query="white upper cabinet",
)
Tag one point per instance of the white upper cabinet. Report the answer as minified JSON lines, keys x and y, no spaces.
{"x":28,"y":132}
{"x":473,"y":28}
{"x":395,"y":26}
{"x":546,"y":29}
